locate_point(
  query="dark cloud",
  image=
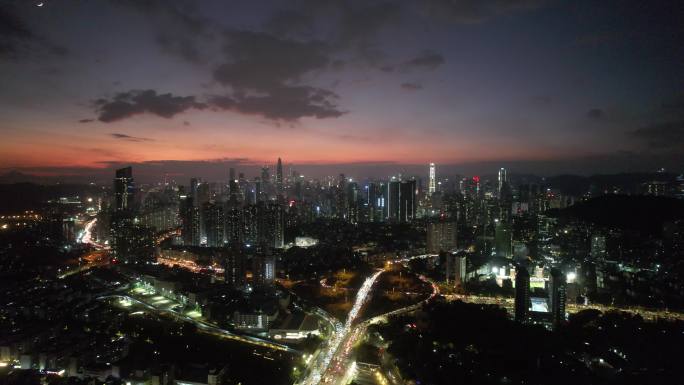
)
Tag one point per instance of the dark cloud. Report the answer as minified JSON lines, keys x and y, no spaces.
{"x":289,"y":22}
{"x":180,"y":14}
{"x":86,"y":120}
{"x":542,"y":99}
{"x":182,"y":46}
{"x":411,"y":86}
{"x":663,"y":136}
{"x":134,"y":102}
{"x":596,"y":114}
{"x":350,"y":28}
{"x":282,"y":103}
{"x":265,"y":74}
{"x":362,"y":23}
{"x":17,"y":39}
{"x":129,"y":138}
{"x":476,"y":11}
{"x":426,"y":60}
{"x":181,"y":30}
{"x":260,"y":61}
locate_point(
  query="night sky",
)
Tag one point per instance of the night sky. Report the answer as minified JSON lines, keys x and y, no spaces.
{"x":331,"y":86}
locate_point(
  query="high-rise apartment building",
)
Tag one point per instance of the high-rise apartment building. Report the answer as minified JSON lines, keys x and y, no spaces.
{"x":441,"y":236}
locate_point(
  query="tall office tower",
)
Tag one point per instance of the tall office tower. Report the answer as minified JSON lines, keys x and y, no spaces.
{"x":189,"y":215}
{"x":522,"y":293}
{"x":557,"y":296}
{"x":375,"y":202}
{"x":392,"y":193}
{"x":353,"y":202}
{"x":432,"y":183}
{"x":298,"y":190}
{"x":503,"y":239}
{"x":233,"y":186}
{"x":279,"y":177}
{"x":235,"y":272}
{"x":194,"y":183}
{"x":212,"y":214}
{"x":400,"y":198}
{"x":407,"y":201}
{"x":123,"y":189}
{"x":341,"y":202}
{"x":265,"y":176}
{"x":264,"y":268}
{"x":503,"y":179}
{"x":441,"y":236}
{"x":258,"y":191}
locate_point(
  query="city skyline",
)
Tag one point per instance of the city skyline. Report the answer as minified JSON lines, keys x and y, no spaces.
{"x":544,"y":87}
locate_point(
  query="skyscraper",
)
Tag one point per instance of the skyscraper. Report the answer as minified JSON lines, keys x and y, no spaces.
{"x":400,"y":198}
{"x":557,"y":296}
{"x":432,"y":183}
{"x":234,"y":225}
{"x":407,"y":201}
{"x":503,"y":178}
{"x":213,"y":223}
{"x":279,"y":177}
{"x":270,"y":225}
{"x":456,"y":268}
{"x":503,"y":239}
{"x":522,"y":293}
{"x":123,"y":189}
{"x":190,"y":226}
{"x":352,"y":202}
{"x":235,"y":269}
{"x":131,"y":242}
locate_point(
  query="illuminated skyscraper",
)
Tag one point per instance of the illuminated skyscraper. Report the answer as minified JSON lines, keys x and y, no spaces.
{"x":131,"y":242}
{"x":123,"y":189}
{"x":279,"y":177}
{"x":503,"y":178}
{"x":432,"y":183}
{"x":212,"y":215}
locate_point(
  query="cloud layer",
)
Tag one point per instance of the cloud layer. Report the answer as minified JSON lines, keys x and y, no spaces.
{"x":126,"y":104}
